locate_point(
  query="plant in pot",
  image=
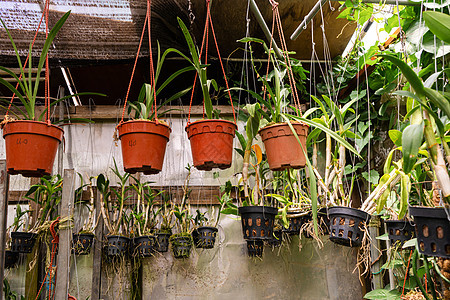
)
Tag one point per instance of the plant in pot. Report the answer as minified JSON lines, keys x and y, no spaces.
{"x":144,"y":220}
{"x":20,"y":221}
{"x":84,"y":221}
{"x":31,"y":140}
{"x":182,"y":242}
{"x":211,"y":138}
{"x":205,"y":230}
{"x":164,"y":215}
{"x":113,"y":212}
{"x":144,"y":138}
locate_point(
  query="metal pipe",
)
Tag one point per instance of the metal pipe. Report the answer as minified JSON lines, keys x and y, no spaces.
{"x":264,"y":27}
{"x":317,"y":6}
{"x":307,"y":19}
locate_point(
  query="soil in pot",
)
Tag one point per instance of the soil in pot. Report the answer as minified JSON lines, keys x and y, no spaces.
{"x":11,"y":259}
{"x":347,"y":225}
{"x":22,"y":242}
{"x":211,"y":143}
{"x":143,"y":145}
{"x":162,"y":242}
{"x":255,"y":248}
{"x":282,"y":148}
{"x":204,"y":237}
{"x":31,"y":147}
{"x":82,"y":243}
{"x":257,"y":222}
{"x":117,"y":245}
{"x":399,"y":231}
{"x":144,"y":246}
{"x":432,"y":230}
{"x":181,"y":246}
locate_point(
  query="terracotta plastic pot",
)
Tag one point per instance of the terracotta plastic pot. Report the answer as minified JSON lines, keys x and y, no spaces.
{"x":31,"y":147}
{"x":211,"y":143}
{"x":143,"y":145}
{"x":282,"y":148}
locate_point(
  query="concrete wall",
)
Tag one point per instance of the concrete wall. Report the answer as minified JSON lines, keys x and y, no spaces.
{"x":221,"y":273}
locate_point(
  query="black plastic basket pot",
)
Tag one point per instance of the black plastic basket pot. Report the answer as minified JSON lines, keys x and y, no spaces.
{"x":433,"y":230}
{"x":294,"y":225}
{"x":22,"y":242}
{"x":117,"y":245}
{"x":11,"y":259}
{"x":204,"y":237}
{"x":162,"y":242}
{"x":257,"y":222}
{"x":399,"y":231}
{"x":255,"y":248}
{"x":82,"y":243}
{"x":144,"y":245}
{"x":346,"y":225}
{"x":181,"y":246}
{"x":277,"y":238}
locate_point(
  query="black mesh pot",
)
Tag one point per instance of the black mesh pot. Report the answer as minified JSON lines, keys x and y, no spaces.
{"x":346,"y":225}
{"x":144,"y":245}
{"x":82,"y":243}
{"x":433,"y":230}
{"x":277,"y":238}
{"x":22,"y":242}
{"x":181,"y":246}
{"x":257,"y":222}
{"x":162,"y":242}
{"x":294,"y":225}
{"x":117,"y":245}
{"x":11,"y":259}
{"x":204,"y":237}
{"x":399,"y":231}
{"x":255,"y":248}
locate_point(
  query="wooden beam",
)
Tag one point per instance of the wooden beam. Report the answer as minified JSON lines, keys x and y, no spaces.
{"x":200,"y":195}
{"x":4,"y":186}
{"x":65,"y":236}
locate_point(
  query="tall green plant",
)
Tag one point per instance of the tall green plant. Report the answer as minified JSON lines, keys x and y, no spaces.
{"x":29,"y":87}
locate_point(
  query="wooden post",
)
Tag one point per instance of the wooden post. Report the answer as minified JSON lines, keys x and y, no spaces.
{"x":4,"y":188}
{"x":65,"y":236}
{"x":33,"y":276}
{"x":97,"y":257}
{"x":61,"y":117}
{"x":377,"y":281}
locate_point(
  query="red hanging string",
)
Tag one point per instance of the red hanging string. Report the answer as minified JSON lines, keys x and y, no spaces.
{"x":134,"y":68}
{"x":47,"y":74}
{"x":406,"y":273}
{"x":26,"y":61}
{"x":152,"y":72}
{"x":276,"y":19}
{"x":205,"y":37}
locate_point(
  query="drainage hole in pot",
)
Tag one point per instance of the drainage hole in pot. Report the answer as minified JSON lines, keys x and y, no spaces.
{"x":425,"y":231}
{"x":262,"y":232}
{"x":243,"y":221}
{"x":341,"y":232}
{"x":295,"y":221}
{"x":334,"y":221}
{"x":391,"y":231}
{"x":422,"y":246}
{"x":433,"y":247}
{"x":333,"y":233}
{"x":406,"y":233}
{"x":351,"y":222}
{"x":254,"y":232}
{"x":447,"y":249}
{"x":397,"y":232}
{"x":247,"y":233}
{"x":350,"y":234}
{"x":341,"y":221}
{"x":250,"y":221}
{"x":440,"y":232}
{"x":267,"y":223}
{"x":258,"y":222}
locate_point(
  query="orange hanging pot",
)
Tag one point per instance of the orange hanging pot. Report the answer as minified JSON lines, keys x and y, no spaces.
{"x":211,"y":143}
{"x":31,"y":147}
{"x":282,"y":148}
{"x":143,"y":145}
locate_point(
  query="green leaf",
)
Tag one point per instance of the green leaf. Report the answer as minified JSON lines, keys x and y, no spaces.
{"x":382,"y":294}
{"x":439,"y":24}
{"x":372,"y":176}
{"x":381,"y":202}
{"x":404,"y":194}
{"x":383,"y":237}
{"x":410,"y":243}
{"x":411,"y":141}
{"x":396,"y":137}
